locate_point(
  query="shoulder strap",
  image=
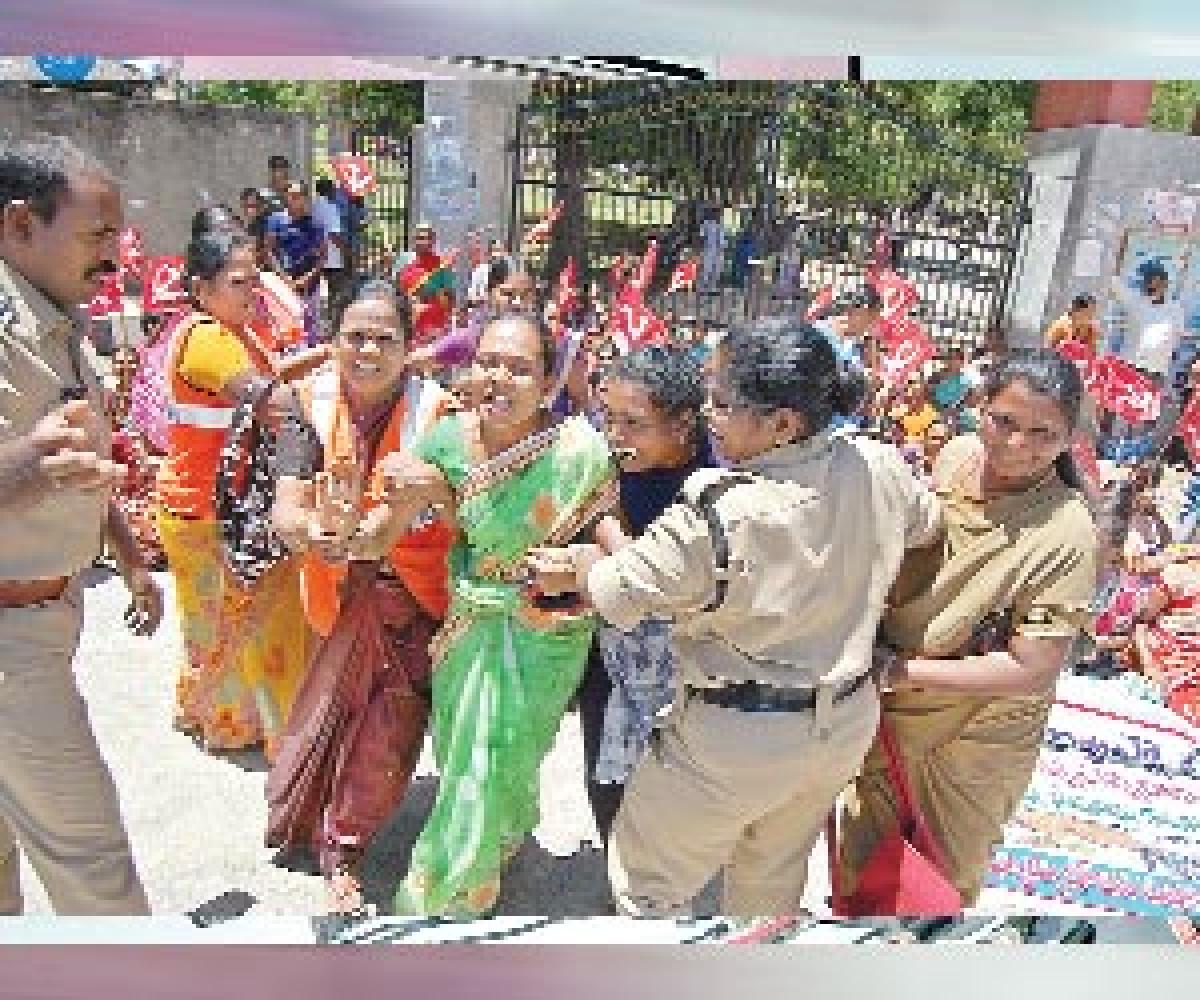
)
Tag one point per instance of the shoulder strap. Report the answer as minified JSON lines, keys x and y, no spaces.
{"x":704,"y":502}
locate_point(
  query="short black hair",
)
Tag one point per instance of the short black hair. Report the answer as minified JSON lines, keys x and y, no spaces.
{"x":212,"y":219}
{"x":247,"y":192}
{"x":324,"y":187}
{"x":500,"y":269}
{"x":1084,"y":301}
{"x":278,"y":160}
{"x":38,"y":172}
{"x":671,"y":377}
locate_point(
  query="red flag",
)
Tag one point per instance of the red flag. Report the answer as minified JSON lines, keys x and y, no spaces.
{"x":616,"y":277}
{"x":635,"y":326}
{"x":1093,"y":370}
{"x":821,"y":301}
{"x":645,"y":273}
{"x":280,"y":304}
{"x":354,"y":175}
{"x":898,"y":294}
{"x":906,"y":346}
{"x":541,"y":232}
{"x":567,"y":293}
{"x":1078,"y":352}
{"x":1083,"y":450}
{"x":133,"y":252}
{"x":1188,"y":428}
{"x":882,"y":256}
{"x":1126,"y":391}
{"x":685,"y":275}
{"x":165,"y":289}
{"x":107,"y":300}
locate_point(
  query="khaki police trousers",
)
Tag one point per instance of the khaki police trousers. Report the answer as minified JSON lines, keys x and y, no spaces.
{"x":57,"y":798}
{"x":749,"y":791}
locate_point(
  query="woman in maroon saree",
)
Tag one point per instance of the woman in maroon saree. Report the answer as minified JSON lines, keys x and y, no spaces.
{"x":375,"y":590}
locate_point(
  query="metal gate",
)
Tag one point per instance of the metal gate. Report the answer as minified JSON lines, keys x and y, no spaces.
{"x":803,"y":176}
{"x":387,"y":148}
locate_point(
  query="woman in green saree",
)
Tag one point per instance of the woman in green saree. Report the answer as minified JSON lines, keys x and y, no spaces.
{"x":504,"y":665}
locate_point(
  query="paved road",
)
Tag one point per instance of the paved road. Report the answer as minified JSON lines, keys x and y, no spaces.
{"x":196,"y":821}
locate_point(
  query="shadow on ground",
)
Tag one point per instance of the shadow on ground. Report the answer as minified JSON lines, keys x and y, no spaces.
{"x":536,"y":882}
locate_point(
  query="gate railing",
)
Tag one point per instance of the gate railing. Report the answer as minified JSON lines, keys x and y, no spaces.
{"x":812,"y":173}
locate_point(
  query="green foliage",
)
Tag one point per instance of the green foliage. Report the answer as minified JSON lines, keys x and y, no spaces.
{"x":1175,"y":104}
{"x":400,"y":102}
{"x":882,"y":146}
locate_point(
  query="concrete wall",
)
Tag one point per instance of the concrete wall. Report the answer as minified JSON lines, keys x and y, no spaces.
{"x":171,"y":157}
{"x":462,"y":168}
{"x":1090,"y":185}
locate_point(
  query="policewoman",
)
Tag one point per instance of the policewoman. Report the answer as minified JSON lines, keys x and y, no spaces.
{"x":774,"y":573}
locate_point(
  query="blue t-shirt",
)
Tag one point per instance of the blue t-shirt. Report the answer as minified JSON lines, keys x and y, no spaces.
{"x":298,"y":242}
{"x":950,"y":391}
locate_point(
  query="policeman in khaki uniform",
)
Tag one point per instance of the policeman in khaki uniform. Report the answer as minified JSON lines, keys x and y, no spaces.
{"x":60,"y":215}
{"x":777,"y":705}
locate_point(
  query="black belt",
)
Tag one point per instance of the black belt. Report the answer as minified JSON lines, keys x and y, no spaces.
{"x":750,"y":696}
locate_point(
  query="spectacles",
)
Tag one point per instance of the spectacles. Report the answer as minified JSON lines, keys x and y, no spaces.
{"x":358,"y":339}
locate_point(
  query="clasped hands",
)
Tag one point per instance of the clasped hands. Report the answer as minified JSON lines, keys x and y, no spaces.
{"x":340,"y":530}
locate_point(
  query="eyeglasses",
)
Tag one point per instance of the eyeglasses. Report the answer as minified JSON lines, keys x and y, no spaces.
{"x":359,"y":338}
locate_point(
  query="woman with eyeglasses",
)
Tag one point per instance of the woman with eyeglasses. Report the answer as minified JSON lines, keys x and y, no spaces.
{"x":775,"y":577}
{"x":980,"y":625}
{"x":374,"y":582}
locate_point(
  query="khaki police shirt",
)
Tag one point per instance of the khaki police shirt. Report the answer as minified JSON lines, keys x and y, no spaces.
{"x":61,"y":533}
{"x":814,"y":549}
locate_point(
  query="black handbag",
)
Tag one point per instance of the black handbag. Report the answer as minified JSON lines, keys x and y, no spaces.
{"x":245,"y":494}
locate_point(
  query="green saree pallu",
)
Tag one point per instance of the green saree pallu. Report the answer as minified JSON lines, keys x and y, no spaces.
{"x":504,"y":670}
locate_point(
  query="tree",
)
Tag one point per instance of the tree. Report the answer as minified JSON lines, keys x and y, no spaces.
{"x":400,"y":102}
{"x":1175,"y":106}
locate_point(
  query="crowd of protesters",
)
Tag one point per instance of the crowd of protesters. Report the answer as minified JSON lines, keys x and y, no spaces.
{"x":739,"y":552}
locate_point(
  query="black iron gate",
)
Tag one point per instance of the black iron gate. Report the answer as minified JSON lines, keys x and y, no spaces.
{"x":803,"y":177}
{"x":387,"y":148}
